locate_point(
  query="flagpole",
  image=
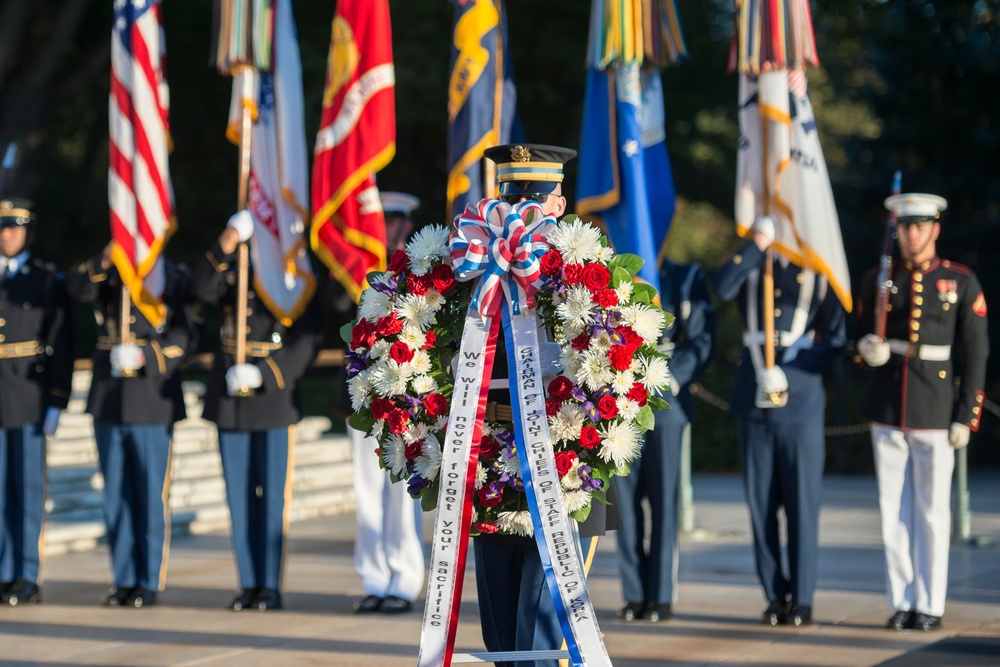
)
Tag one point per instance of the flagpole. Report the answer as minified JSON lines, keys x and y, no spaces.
{"x":125,"y":321}
{"x":768,"y":279}
{"x":242,"y":249}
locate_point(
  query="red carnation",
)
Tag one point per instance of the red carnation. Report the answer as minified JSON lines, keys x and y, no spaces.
{"x":488,"y":447}
{"x":552,"y":262}
{"x":398,"y":420}
{"x":413,"y":450}
{"x":363,"y":334}
{"x":490,"y":495}
{"x":442,"y":278}
{"x":573,"y":274}
{"x":418,"y":285}
{"x":620,"y":357}
{"x":638,"y":394}
{"x":607,"y":407}
{"x":429,"y":339}
{"x":605,"y":298}
{"x":581,"y":342}
{"x":436,"y":405}
{"x":561,"y":388}
{"x":589,"y":438}
{"x":485,"y":527}
{"x":399,"y":261}
{"x":552,"y":406}
{"x":564,"y":461}
{"x":400,"y":352}
{"x":389,"y":325}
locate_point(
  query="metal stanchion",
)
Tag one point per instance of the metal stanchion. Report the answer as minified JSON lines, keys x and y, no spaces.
{"x":961,"y":519}
{"x":685,"y":495}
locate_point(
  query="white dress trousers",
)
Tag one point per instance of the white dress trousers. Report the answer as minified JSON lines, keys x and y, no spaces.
{"x":914,"y":493}
{"x":388,"y":552}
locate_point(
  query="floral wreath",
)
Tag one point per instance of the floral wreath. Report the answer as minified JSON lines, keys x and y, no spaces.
{"x":607,"y":325}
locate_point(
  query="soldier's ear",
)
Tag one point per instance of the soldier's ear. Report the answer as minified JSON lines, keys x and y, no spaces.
{"x":936,"y":231}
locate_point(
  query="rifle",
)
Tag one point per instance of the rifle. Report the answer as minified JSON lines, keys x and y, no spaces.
{"x":884,"y":281}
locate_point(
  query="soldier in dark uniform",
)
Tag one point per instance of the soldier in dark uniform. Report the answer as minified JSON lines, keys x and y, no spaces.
{"x":516,"y":608}
{"x":782,"y":446}
{"x":649,"y":576}
{"x":255,"y":429}
{"x":926,"y":397}
{"x":135,"y":399}
{"x":36,"y":372}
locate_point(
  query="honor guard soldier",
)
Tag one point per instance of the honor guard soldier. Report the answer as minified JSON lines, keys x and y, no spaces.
{"x":388,"y":553}
{"x":36,"y":373}
{"x":135,"y":398}
{"x":255,"y":405}
{"x":649,"y":576}
{"x":781,"y":411}
{"x":925,"y":399}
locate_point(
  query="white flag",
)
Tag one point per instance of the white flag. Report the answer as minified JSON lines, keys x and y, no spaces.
{"x":777,"y":125}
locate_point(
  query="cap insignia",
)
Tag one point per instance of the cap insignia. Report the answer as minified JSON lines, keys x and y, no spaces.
{"x":520,"y":154}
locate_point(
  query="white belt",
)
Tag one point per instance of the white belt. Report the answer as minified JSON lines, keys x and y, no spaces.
{"x":785,"y":339}
{"x":924,"y":352}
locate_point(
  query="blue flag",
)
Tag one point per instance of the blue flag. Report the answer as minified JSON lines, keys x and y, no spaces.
{"x":481,"y":97}
{"x":624,"y":179}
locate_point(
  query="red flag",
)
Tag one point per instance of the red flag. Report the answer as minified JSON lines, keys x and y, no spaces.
{"x":357,"y":137}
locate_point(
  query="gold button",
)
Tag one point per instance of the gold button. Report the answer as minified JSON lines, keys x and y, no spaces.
{"x":132,"y":320}
{"x":975,"y":410}
{"x":777,"y":312}
{"x":2,"y":338}
{"x":248,"y":330}
{"x":915,"y":326}
{"x":914,"y":338}
{"x":918,"y":288}
{"x":249,"y":312}
{"x":738,"y":259}
{"x":777,"y":292}
{"x":2,"y":321}
{"x":801,"y":278}
{"x":919,"y":300}
{"x":916,"y":312}
{"x":942,"y":374}
{"x":975,"y":422}
{"x":918,"y":277}
{"x":945,"y":306}
{"x":888,"y":307}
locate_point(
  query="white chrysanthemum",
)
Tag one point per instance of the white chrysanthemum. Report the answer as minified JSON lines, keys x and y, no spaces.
{"x":655,"y":374}
{"x":518,"y":523}
{"x":374,"y":304}
{"x":571,"y":480}
{"x":390,"y":378}
{"x":434,"y":300}
{"x":480,"y":476}
{"x":623,"y":382}
{"x":394,"y":455}
{"x":413,"y":336}
{"x":421,"y":362}
{"x":415,"y":433}
{"x":605,"y":255}
{"x":428,"y":463}
{"x":440,"y":423}
{"x":423,"y":383}
{"x":377,"y":429}
{"x":576,"y":309}
{"x":511,"y":466}
{"x":645,"y":321}
{"x":571,"y":362}
{"x":360,"y":389}
{"x":415,"y":310}
{"x":595,"y":370}
{"x":624,"y":292}
{"x":573,"y":329}
{"x":627,"y":408}
{"x":426,"y":247}
{"x":600,"y":343}
{"x":620,"y":442}
{"x":380,"y":348}
{"x":487,"y":429}
{"x":566,"y":424}
{"x":576,"y":500}
{"x":577,"y":241}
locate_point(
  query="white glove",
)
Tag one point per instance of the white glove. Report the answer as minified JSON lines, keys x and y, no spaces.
{"x":675,"y":386}
{"x":241,"y":377}
{"x":242,"y":222}
{"x":765,"y":227}
{"x":772,"y":380}
{"x":550,"y":357}
{"x":126,"y":358}
{"x":51,"y":422}
{"x":874,"y":350}
{"x":958,"y":435}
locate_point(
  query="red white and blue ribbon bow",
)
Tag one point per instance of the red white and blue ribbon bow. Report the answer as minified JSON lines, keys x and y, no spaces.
{"x":501,"y":243}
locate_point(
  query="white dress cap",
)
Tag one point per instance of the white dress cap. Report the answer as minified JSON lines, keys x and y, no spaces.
{"x":399,"y":202}
{"x":916,"y":205}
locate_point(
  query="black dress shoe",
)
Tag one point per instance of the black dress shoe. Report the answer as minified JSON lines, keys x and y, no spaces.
{"x":658,"y":612}
{"x":774,"y":614}
{"x":140,"y":598}
{"x":799,"y":615}
{"x":396,"y":605}
{"x":368,"y":604}
{"x":22,"y":591}
{"x":632,"y":611}
{"x":267,"y":599}
{"x":901,"y":620}
{"x":244,"y":600}
{"x":117,"y":596}
{"x":926,"y":622}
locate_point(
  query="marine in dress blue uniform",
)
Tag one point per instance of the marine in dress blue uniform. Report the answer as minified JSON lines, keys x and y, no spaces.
{"x":135,"y":398}
{"x":925,"y":399}
{"x":255,"y":430}
{"x":783,"y":448}
{"x":36,"y":373}
{"x":649,"y":575}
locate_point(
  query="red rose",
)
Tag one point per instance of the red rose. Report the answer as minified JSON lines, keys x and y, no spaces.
{"x":561,"y":388}
{"x":552,"y":406}
{"x":400,"y":352}
{"x":620,"y":357}
{"x":490,"y":495}
{"x":581,"y":342}
{"x":429,"y":339}
{"x":552,"y":262}
{"x":605,"y":298}
{"x":418,"y":285}
{"x":363,"y":334}
{"x":488,"y":447}
{"x":595,"y":277}
{"x":589,"y":438}
{"x":485,"y":527}
{"x":436,"y":405}
{"x":607,"y":407}
{"x":442,"y":278}
{"x":399,"y":261}
{"x":380,"y":407}
{"x":564,"y":461}
{"x":389,"y":325}
{"x":413,"y":450}
{"x":573,"y":274}
{"x":638,"y":394}
{"x":633,"y":341}
{"x":398,"y":420}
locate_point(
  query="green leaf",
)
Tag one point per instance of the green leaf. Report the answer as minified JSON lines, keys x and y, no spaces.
{"x":345,"y":331}
{"x":645,"y":418}
{"x":581,"y":514}
{"x":668,"y":319}
{"x":657,"y":403}
{"x":619,"y":275}
{"x":643,"y":293}
{"x":429,"y":498}
{"x":629,"y":262}
{"x":362,"y":421}
{"x":569,"y":218}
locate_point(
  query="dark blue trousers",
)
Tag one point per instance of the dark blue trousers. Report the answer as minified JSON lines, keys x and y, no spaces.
{"x":135,"y":462}
{"x":648,"y":575}
{"x":258,"y":482}
{"x":22,"y":502}
{"x":783,"y":469}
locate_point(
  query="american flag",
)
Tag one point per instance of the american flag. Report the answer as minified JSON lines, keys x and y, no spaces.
{"x":139,"y":191}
